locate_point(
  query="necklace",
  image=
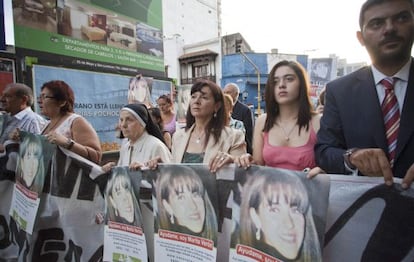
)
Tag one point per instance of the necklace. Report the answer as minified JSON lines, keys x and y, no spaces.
{"x":199,"y":137}
{"x":287,"y":134}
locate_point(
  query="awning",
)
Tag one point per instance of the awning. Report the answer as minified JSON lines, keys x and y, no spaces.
{"x":197,"y":54}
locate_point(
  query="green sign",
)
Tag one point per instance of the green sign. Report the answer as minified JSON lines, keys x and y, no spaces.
{"x":101,"y":31}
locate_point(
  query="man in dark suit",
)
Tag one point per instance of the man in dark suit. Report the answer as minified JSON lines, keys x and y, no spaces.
{"x":241,"y":112}
{"x":352,"y":136}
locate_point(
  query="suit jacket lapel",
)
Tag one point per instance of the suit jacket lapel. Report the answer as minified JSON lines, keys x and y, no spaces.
{"x":372,"y":109}
{"x":407,"y":115}
{"x":182,"y":146}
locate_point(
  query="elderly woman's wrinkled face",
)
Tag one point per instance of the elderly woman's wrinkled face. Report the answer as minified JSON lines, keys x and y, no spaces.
{"x":48,"y":104}
{"x":130,"y":126}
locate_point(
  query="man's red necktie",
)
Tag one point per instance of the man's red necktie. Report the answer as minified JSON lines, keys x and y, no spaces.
{"x":391,"y":113}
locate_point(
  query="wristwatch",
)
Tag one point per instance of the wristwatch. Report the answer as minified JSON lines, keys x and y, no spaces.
{"x":347,"y":156}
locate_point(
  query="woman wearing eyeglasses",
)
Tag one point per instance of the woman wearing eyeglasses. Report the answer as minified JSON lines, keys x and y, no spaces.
{"x":67,"y":129}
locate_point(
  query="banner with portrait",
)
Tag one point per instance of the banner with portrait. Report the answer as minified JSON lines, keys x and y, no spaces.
{"x":124,"y":239}
{"x":33,"y":161}
{"x":67,"y":226}
{"x":185,"y":208}
{"x":365,"y":220}
{"x":8,"y":247}
{"x":278,"y":215}
{"x":183,"y":94}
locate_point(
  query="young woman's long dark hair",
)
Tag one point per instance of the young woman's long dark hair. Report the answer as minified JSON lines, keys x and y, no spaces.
{"x":305,"y":106}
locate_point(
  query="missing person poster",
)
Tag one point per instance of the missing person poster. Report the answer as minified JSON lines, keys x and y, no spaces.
{"x":278,"y":215}
{"x":124,"y":239}
{"x":185,"y":209}
{"x":35,"y":153}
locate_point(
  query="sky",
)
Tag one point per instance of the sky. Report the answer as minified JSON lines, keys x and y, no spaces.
{"x":317,"y":28}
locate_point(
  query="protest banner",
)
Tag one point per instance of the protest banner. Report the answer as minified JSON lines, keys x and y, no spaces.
{"x":185,"y":209}
{"x":369,"y":221}
{"x":278,"y":215}
{"x":124,"y":236}
{"x":32,"y":165}
{"x":66,"y":226}
{"x":365,"y":221}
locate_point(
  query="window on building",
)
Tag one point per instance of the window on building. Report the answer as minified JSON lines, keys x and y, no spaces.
{"x":200,"y":70}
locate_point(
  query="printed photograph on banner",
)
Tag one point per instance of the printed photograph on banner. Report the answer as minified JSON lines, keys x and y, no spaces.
{"x":33,"y":161}
{"x":278,"y":215}
{"x":185,"y":208}
{"x":183,"y":94}
{"x":8,"y":160}
{"x":147,"y":90}
{"x":67,"y":220}
{"x":139,"y":90}
{"x":369,"y":221}
{"x":124,"y":236}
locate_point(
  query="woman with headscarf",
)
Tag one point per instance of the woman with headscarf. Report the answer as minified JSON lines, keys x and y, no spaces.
{"x":145,"y":140}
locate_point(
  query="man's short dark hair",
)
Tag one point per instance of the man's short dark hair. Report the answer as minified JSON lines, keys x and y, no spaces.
{"x":369,"y":3}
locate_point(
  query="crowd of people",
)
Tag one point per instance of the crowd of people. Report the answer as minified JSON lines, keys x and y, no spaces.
{"x":363,"y":125}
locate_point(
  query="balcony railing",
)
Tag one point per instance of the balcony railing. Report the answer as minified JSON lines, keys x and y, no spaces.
{"x":190,"y":81}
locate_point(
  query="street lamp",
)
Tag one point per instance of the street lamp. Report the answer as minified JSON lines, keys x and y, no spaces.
{"x":259,"y":96}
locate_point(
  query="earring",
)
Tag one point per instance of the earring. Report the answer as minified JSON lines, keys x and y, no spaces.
{"x":215,"y":115}
{"x":172,"y":219}
{"x":258,"y":234}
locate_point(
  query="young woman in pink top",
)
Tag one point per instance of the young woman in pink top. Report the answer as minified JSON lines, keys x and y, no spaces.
{"x":284,"y":137}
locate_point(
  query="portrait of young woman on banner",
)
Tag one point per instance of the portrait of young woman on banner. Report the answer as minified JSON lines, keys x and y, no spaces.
{"x":275,"y":218}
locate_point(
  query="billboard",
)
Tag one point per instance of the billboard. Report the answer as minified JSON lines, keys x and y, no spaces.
{"x":98,"y":96}
{"x":321,"y":70}
{"x":127,"y":33}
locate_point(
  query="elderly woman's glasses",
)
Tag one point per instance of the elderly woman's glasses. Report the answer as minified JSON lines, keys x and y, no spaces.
{"x":43,"y":97}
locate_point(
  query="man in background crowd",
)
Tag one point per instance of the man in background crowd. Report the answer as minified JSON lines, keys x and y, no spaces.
{"x":241,"y":112}
{"x":17,"y":100}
